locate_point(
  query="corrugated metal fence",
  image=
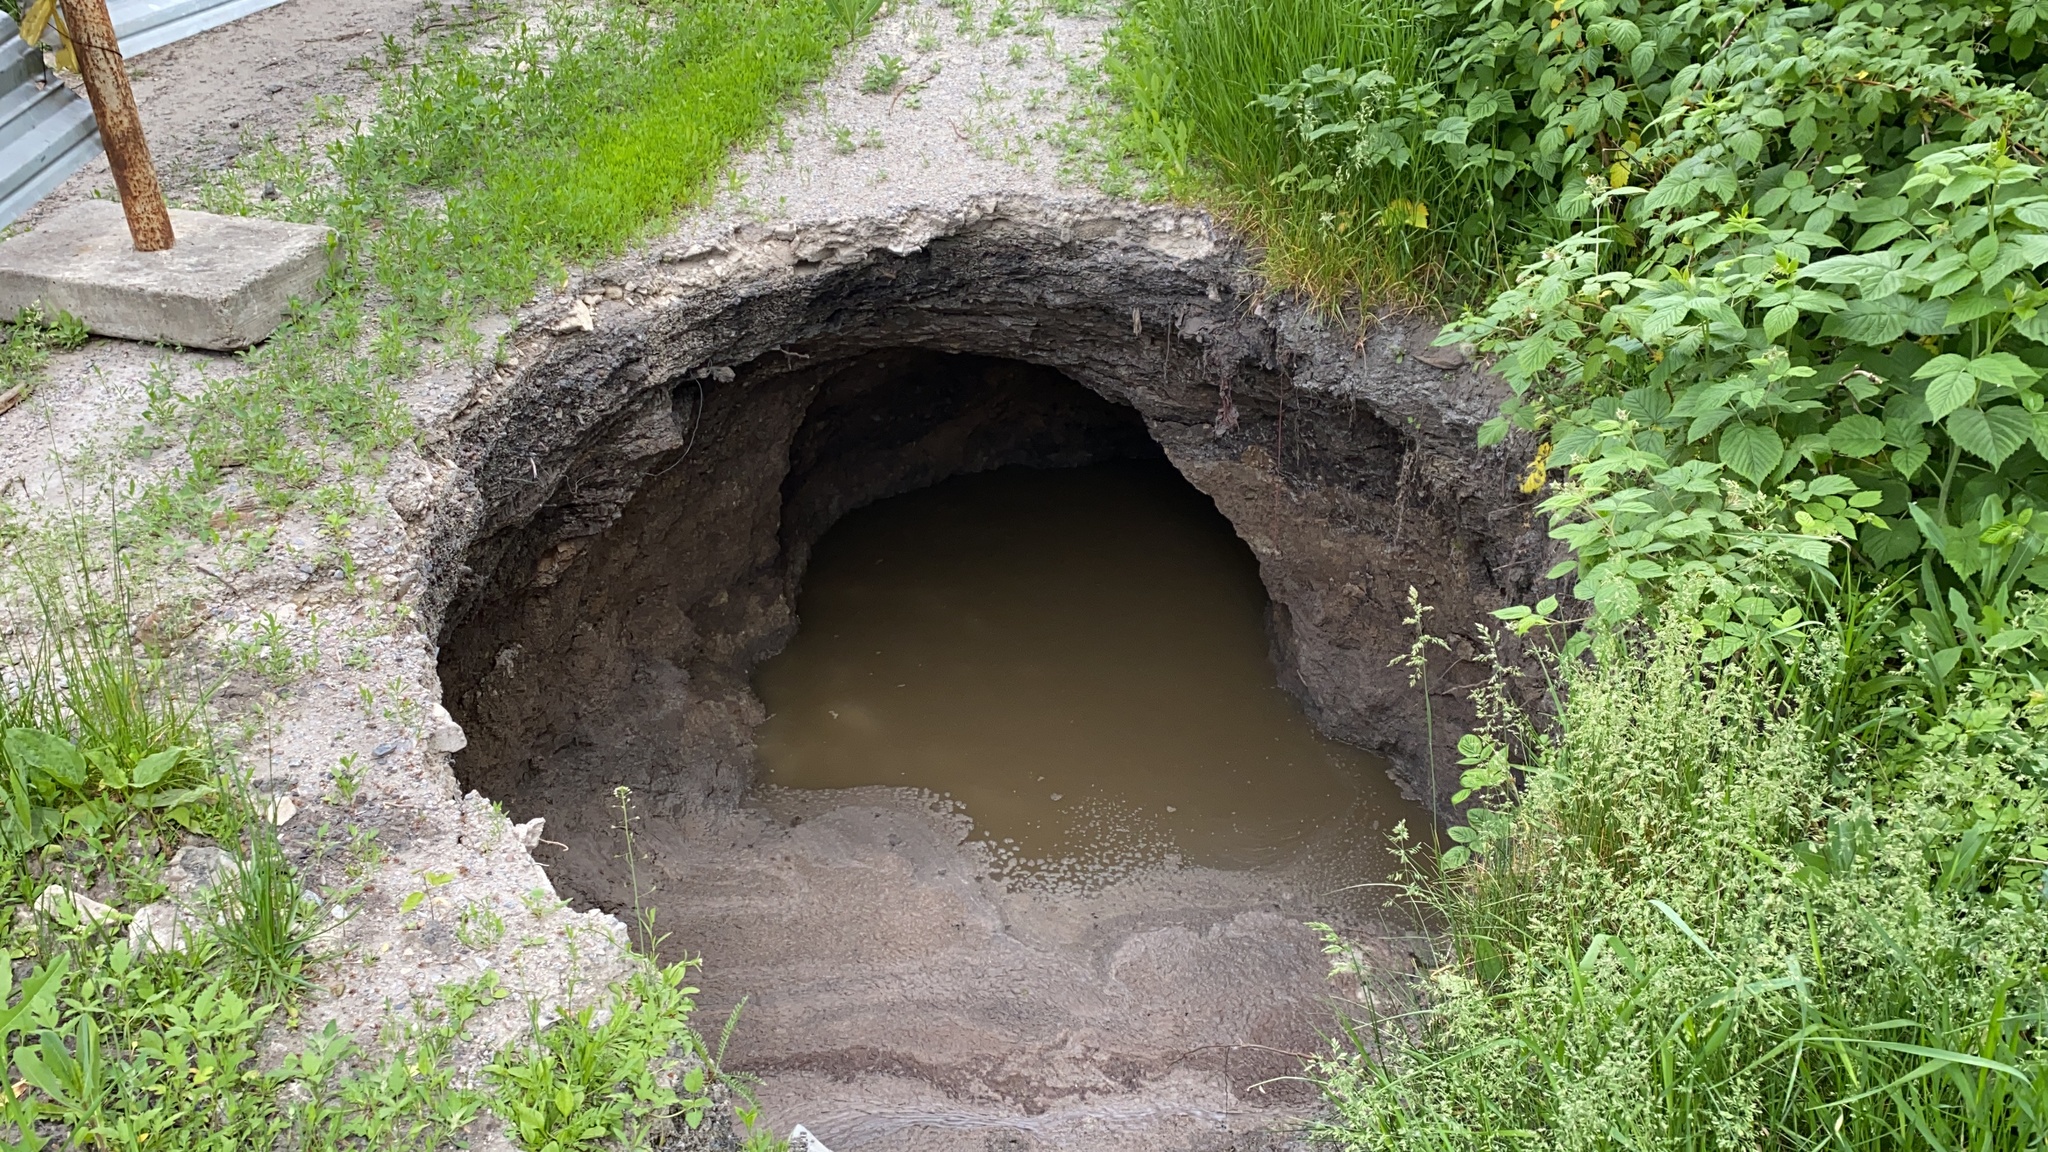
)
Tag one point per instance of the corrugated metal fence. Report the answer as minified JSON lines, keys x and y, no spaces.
{"x":46,"y":132}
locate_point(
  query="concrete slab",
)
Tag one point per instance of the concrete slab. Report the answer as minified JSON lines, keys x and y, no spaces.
{"x":226,"y":284}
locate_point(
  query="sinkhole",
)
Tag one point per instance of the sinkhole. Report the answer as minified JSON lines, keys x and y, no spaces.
{"x":992,"y":729}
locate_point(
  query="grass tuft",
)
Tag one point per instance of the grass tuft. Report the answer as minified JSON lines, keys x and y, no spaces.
{"x":1191,"y":76}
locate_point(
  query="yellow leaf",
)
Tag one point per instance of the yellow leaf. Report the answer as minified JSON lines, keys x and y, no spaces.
{"x":1617,"y":176}
{"x":1538,"y":469}
{"x":39,"y":18}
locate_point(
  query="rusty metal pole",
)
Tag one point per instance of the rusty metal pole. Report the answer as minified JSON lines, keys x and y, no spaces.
{"x":113,"y":105}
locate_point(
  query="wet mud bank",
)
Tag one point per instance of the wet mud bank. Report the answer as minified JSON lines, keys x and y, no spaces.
{"x":619,"y":537}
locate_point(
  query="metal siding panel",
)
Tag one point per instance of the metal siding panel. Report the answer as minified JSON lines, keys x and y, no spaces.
{"x":47,"y":135}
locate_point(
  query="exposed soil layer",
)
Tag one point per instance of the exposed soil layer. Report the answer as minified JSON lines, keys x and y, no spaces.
{"x":633,"y":511}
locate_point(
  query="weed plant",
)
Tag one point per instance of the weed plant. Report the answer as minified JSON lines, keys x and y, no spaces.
{"x":1689,"y":927}
{"x":104,"y":773}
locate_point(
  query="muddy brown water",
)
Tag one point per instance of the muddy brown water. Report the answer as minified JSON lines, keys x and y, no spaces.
{"x":1079,"y":659}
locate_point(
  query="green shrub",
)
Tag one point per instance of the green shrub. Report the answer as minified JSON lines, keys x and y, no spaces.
{"x":1689,"y":928}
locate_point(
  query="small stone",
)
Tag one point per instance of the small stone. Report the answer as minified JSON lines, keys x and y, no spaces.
{"x":51,"y":901}
{"x":384,"y":749}
{"x":801,"y":1140}
{"x":1448,"y":359}
{"x":614,"y":292}
{"x":197,"y":867}
{"x":444,"y":734}
{"x":161,"y":927}
{"x":279,"y":810}
{"x":579,"y":319}
{"x":529,"y":832}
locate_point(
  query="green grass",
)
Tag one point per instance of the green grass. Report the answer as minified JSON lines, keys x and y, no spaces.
{"x":105,"y":772}
{"x":1190,"y":74}
{"x":26,"y":349}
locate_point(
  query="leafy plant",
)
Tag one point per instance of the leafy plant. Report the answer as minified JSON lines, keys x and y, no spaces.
{"x":265,"y":919}
{"x":1247,"y":106}
{"x":30,"y":337}
{"x":589,"y":1080}
{"x":882,"y":76}
{"x":1686,"y":931}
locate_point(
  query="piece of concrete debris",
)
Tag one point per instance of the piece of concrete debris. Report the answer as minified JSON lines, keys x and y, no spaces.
{"x":444,"y":734}
{"x":801,"y":1140}
{"x":279,"y":810}
{"x":1449,"y":359}
{"x":227,"y":284}
{"x":529,"y":832}
{"x":162,"y":927}
{"x":578,"y":319}
{"x":51,"y":902}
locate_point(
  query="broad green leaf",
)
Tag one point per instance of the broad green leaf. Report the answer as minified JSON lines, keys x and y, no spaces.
{"x":51,"y":755}
{"x":151,"y":769}
{"x":1864,"y":323}
{"x":1990,"y":435}
{"x":2039,"y":434}
{"x":1779,"y":321}
{"x":1897,"y":540}
{"x":1975,"y":306}
{"x":111,"y":774}
{"x":1751,"y":451}
{"x":2011,"y":638}
{"x":1951,"y":384}
{"x":1870,"y":272}
{"x":1984,"y":251}
{"x":1857,"y":435}
{"x":1910,"y":459}
{"x":2003,"y":369}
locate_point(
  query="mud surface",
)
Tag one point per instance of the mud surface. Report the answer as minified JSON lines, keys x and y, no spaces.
{"x":897,"y":998}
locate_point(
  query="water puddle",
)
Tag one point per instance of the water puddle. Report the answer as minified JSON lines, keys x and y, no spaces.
{"x":1079,"y":658}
